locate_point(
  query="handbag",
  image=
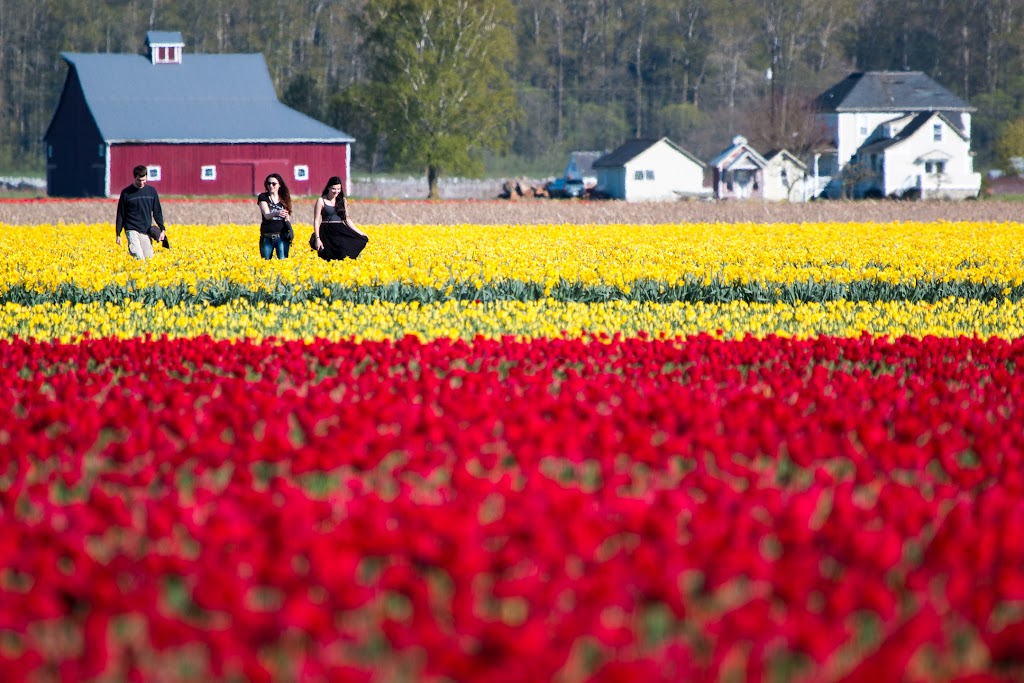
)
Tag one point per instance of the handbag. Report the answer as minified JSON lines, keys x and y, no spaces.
{"x":312,"y":240}
{"x":287,"y":234}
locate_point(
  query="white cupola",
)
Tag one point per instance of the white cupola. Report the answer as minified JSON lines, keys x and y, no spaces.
{"x":165,"y":47}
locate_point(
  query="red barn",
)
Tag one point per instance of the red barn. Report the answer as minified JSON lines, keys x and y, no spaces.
{"x":203,"y":125}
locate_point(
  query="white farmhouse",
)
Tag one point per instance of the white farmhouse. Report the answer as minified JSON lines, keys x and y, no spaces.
{"x":896,"y":133}
{"x":650,"y":170}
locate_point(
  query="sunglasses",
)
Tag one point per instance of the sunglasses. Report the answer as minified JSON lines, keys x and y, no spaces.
{"x":272,"y":182}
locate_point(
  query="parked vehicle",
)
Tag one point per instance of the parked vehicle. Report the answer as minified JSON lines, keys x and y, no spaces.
{"x":561,"y":188}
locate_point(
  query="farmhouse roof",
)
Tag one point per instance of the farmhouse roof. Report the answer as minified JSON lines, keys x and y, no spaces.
{"x":628,"y":151}
{"x":889,"y":91}
{"x":206,"y":98}
{"x":908,"y":130}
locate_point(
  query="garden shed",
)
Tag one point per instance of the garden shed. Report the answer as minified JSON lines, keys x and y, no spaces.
{"x":204,"y":124}
{"x":650,"y":170}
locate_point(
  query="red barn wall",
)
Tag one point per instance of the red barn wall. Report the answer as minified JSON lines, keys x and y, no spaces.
{"x":240,"y":168}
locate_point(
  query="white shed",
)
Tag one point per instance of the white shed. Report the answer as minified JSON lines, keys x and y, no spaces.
{"x":650,"y":170}
{"x":785,"y":177}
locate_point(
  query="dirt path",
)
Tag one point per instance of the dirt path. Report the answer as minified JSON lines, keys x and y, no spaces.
{"x":527,"y":212}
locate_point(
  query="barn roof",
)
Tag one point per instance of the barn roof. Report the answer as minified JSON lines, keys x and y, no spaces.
{"x":889,"y":91}
{"x":206,"y":98}
{"x":628,"y":151}
{"x":164,"y":38}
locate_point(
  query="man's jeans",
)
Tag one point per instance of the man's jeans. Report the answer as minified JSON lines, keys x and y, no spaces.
{"x":273,"y":243}
{"x":139,"y":245}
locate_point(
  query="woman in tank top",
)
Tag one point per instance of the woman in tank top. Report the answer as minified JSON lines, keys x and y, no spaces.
{"x":335,"y":236}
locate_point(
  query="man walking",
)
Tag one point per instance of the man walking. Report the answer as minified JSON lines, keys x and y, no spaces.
{"x":137,"y":206}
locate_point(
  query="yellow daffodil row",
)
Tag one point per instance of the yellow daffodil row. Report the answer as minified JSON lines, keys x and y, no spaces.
{"x":51,"y":258}
{"x":525,"y":320}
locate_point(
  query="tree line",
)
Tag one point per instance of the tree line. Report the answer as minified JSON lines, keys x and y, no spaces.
{"x":463,"y":86}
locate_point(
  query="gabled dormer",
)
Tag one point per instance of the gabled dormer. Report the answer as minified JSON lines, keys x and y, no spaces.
{"x":165,"y":47}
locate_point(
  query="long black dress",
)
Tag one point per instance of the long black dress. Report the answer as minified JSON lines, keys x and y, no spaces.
{"x":340,"y":241}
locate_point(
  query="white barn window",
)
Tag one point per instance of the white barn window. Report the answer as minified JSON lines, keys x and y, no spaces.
{"x":650,"y":175}
{"x":302,"y":173}
{"x":208,"y":173}
{"x":154,"y":173}
{"x":638,"y":175}
{"x":937,"y":132}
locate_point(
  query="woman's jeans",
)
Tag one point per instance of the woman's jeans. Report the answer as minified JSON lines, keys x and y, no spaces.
{"x":273,"y":243}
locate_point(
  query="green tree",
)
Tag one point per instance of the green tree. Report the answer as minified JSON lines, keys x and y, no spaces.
{"x":439,"y":80}
{"x":303,"y":94}
{"x":679,"y":121}
{"x":1010,"y":146}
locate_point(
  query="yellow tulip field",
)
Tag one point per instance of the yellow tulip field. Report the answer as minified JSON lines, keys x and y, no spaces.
{"x":800,"y":279}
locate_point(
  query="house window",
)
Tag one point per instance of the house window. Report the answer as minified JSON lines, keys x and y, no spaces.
{"x":171,"y":54}
{"x":937,"y":132}
{"x":208,"y":173}
{"x":154,"y":173}
{"x":161,"y":54}
{"x":935,"y":167}
{"x":101,"y":150}
{"x":864,"y":131}
{"x":650,"y":175}
{"x":49,"y":151}
{"x":302,"y":172}
{"x":638,"y":175}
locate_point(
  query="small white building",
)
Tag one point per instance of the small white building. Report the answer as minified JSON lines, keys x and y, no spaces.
{"x":650,"y":170}
{"x":785,"y":177}
{"x":740,"y":172}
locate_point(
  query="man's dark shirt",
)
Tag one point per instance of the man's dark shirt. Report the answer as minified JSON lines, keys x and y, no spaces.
{"x":134,"y":208}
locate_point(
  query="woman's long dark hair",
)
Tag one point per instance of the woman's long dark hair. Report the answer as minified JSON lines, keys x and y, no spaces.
{"x":333,"y":180}
{"x":282,"y":190}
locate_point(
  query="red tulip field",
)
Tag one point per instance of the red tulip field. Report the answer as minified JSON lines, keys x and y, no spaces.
{"x":604,"y":509}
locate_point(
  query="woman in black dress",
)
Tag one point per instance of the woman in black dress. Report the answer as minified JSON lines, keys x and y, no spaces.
{"x":336,"y":236}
